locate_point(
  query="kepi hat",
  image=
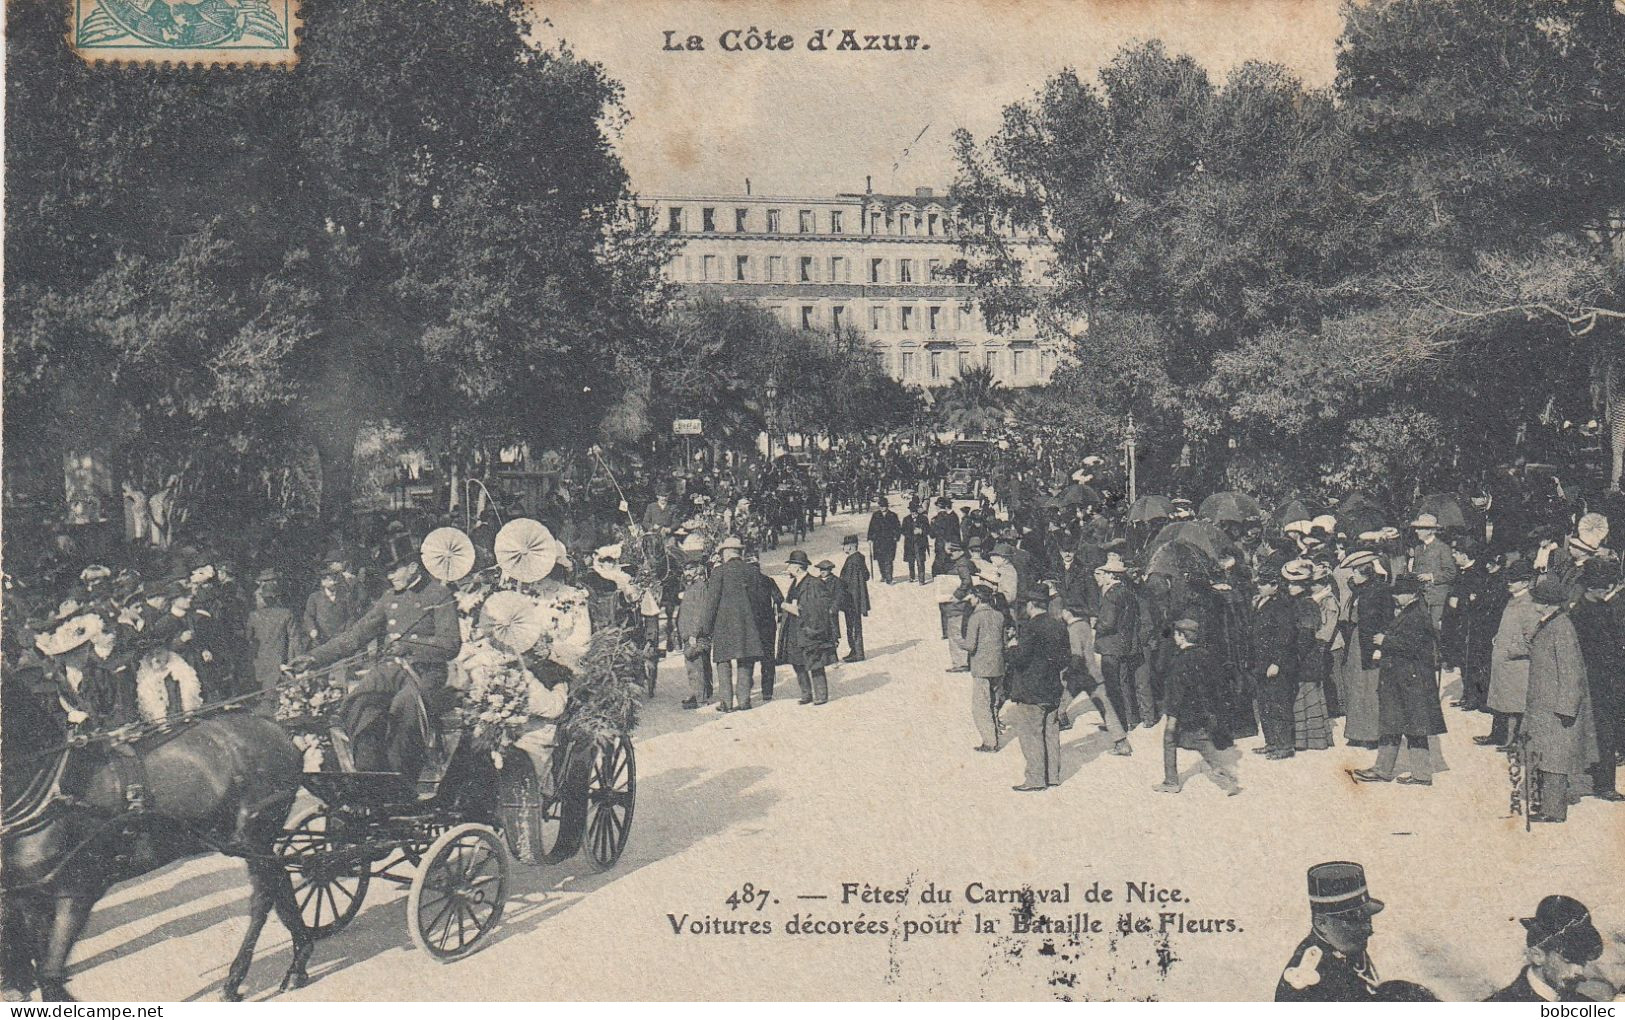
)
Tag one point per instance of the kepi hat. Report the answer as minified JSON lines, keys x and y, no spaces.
{"x":1338,"y":887}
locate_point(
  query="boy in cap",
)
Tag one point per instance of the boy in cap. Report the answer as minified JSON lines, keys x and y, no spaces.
{"x":1559,"y":941}
{"x":1331,"y":964}
{"x":1192,"y":708}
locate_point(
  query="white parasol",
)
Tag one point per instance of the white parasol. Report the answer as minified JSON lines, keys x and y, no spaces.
{"x":512,"y":620}
{"x":525,"y":550}
{"x":448,"y":555}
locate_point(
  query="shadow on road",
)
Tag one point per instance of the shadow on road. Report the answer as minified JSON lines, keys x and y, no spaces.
{"x":536,"y":894}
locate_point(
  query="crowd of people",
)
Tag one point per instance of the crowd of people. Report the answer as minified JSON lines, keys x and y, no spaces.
{"x":1234,"y":625}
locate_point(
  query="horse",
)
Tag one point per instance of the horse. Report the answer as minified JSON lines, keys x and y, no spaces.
{"x":97,"y":812}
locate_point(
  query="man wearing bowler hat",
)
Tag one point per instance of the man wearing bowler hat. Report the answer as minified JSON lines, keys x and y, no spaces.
{"x":730,"y":620}
{"x":917,"y":542}
{"x":1331,"y":964}
{"x":1560,"y":940}
{"x":807,"y":639}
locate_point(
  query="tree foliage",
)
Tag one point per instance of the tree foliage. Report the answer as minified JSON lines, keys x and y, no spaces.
{"x":435,"y":239}
{"x":1319,"y":286}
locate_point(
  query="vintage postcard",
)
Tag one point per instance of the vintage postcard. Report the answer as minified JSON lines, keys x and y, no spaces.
{"x":817,"y":500}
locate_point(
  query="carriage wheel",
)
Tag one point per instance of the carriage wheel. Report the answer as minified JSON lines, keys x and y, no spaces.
{"x":532,"y":815}
{"x":612,"y":790}
{"x":458,"y":895}
{"x":327,"y":890}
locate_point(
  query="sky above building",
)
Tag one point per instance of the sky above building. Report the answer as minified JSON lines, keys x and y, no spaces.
{"x":800,"y":121}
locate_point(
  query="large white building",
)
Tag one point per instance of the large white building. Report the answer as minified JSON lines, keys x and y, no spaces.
{"x":869,"y":261}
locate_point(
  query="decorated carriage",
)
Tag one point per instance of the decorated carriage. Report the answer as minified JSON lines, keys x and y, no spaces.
{"x":535,"y":762}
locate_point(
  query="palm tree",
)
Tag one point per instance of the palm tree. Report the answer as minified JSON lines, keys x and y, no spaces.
{"x":972,"y":404}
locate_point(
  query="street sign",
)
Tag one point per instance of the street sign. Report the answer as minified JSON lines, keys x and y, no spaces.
{"x":686,"y":427}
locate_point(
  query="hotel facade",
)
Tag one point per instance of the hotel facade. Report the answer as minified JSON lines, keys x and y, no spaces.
{"x":872,"y":262}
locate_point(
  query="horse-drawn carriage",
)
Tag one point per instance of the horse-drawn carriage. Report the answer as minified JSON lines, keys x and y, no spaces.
{"x":108,"y":805}
{"x":448,"y":837}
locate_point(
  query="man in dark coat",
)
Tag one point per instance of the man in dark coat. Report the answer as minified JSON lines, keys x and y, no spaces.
{"x":1034,"y":667}
{"x":387,"y":714}
{"x":766,"y":598}
{"x":807,"y":637}
{"x":1559,"y":733}
{"x":855,"y":597}
{"x":944,"y":531}
{"x":1331,"y":964}
{"x":1407,"y":688}
{"x":1480,"y":601}
{"x":917,"y":542}
{"x":731,"y":621}
{"x":1560,"y":941}
{"x":1274,"y":625}
{"x":1597,"y":623}
{"x":884,"y":531}
{"x":1117,"y":637}
{"x":1079,"y":592}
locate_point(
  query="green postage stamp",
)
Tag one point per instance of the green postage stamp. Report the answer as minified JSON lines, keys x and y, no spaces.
{"x":236,"y":32}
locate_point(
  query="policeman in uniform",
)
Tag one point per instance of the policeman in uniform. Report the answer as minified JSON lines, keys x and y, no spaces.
{"x":1331,"y":965}
{"x":387,"y":714}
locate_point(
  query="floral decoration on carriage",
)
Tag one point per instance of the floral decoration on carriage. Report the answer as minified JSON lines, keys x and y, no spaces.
{"x":531,"y":671}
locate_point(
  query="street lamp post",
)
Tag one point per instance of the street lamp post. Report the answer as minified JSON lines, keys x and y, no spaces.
{"x":771,"y":391}
{"x":1130,"y":434}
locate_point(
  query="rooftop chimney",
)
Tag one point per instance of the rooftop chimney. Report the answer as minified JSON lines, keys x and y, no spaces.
{"x":922,"y":192}
{"x":868,"y":184}
{"x":747,"y":185}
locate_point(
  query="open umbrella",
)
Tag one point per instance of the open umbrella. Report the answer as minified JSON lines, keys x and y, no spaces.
{"x":1449,"y":508}
{"x":448,"y":554}
{"x":1204,"y":536}
{"x":1150,"y":508}
{"x":525,"y":550}
{"x":514,"y":621}
{"x":1078,"y":494}
{"x":1230,"y":506}
{"x":1291,"y":510}
{"x":1180,"y":559}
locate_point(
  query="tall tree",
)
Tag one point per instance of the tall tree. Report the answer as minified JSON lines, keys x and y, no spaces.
{"x":438,"y":238}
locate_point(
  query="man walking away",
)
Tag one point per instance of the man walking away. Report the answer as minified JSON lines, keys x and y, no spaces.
{"x":1193,"y":721}
{"x":1035,"y":665}
{"x":983,"y":644}
{"x":1083,"y":677}
{"x":730,"y":622}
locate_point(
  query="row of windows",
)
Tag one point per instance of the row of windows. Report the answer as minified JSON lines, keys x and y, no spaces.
{"x":772,"y":221}
{"x":1017,"y":363}
{"x":805,"y":268}
{"x":909,"y":318}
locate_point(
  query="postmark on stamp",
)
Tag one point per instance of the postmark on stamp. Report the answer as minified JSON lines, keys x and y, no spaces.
{"x":230,"y":32}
